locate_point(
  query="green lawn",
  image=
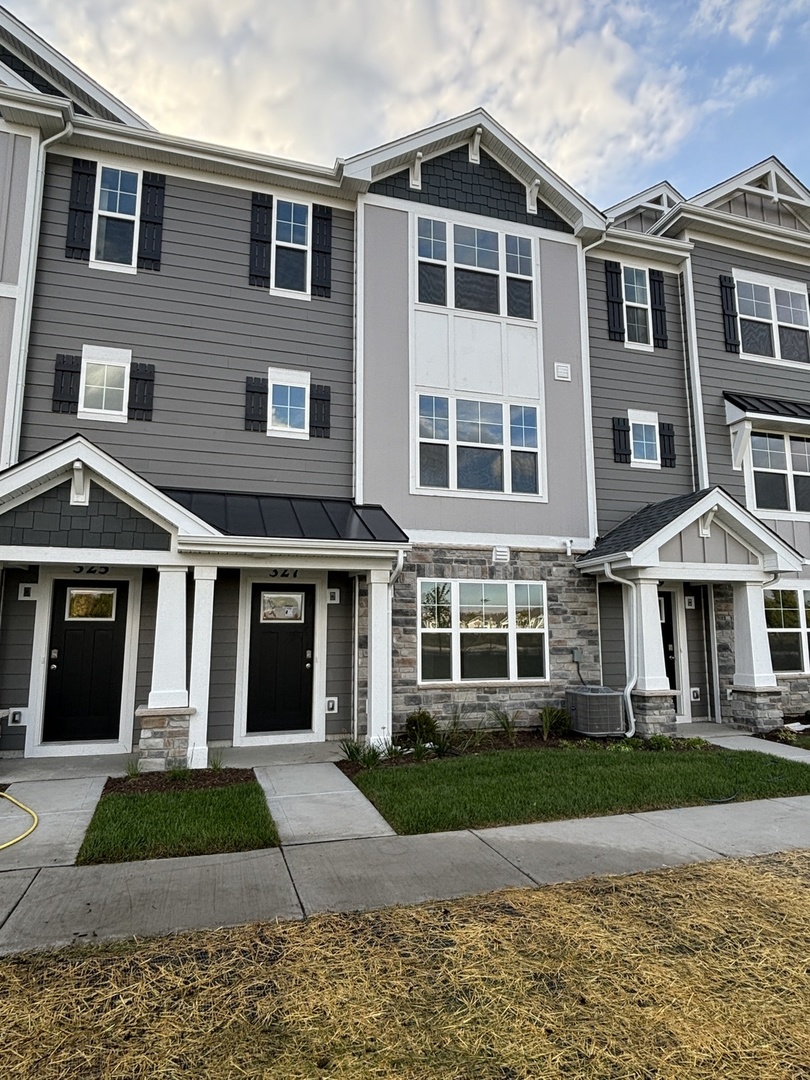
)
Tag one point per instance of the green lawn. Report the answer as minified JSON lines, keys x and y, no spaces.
{"x":163,"y":824}
{"x":517,"y":786}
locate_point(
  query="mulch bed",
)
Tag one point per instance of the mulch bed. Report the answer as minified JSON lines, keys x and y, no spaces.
{"x":192,"y":780}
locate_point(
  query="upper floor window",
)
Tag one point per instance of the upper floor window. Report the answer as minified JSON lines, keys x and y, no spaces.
{"x":773,"y":318}
{"x":288,"y":412}
{"x":104,"y":384}
{"x":115,"y":225}
{"x":490,"y":271}
{"x":781,"y":466}
{"x":473,"y":445}
{"x":291,"y":247}
{"x":637,"y":305}
{"x":644,"y":439}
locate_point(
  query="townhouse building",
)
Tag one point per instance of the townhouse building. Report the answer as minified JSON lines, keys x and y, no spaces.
{"x":290,"y":451}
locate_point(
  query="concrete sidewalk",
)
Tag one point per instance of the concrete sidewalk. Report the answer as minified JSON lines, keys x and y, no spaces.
{"x":61,"y":905}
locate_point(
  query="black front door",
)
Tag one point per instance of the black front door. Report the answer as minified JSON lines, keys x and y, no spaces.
{"x":668,"y":634}
{"x":85,"y":662}
{"x":282,"y":636}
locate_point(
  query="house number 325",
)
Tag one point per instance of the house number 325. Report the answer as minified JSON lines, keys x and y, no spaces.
{"x":91,"y":569}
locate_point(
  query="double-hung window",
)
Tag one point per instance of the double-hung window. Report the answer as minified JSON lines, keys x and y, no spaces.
{"x":115,"y":223}
{"x":104,"y":384}
{"x":645,"y":450}
{"x":773,"y":318}
{"x":781,"y":466}
{"x":288,"y":404}
{"x":478,"y":631}
{"x":474,"y":269}
{"x":291,"y":247}
{"x":472,"y":445}
{"x":637,"y":305}
{"x":787,"y":616}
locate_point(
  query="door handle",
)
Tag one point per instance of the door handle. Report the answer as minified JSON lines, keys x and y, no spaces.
{"x":53,"y":667}
{"x":307,"y":666}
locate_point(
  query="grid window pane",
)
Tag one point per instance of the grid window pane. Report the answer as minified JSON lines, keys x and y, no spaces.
{"x":482,"y":605}
{"x":476,"y":247}
{"x":118,"y":191}
{"x":635,"y":285}
{"x":479,"y":422}
{"x":432,"y":239}
{"x":523,"y":425}
{"x":800,"y":455}
{"x":638,"y":329}
{"x":291,"y":223}
{"x":433,"y":417}
{"x":529,"y":606}
{"x":519,"y":255}
{"x":289,"y":407}
{"x":104,"y":386}
{"x":645,"y":442}
{"x":435,"y":597}
{"x":754,"y":300}
{"x":781,"y":609}
{"x":791,"y":307}
{"x":768,"y":451}
{"x":484,"y":656}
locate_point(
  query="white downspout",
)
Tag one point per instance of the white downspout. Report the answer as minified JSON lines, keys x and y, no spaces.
{"x":633,"y":673}
{"x":11,"y":448}
{"x":398,"y":568}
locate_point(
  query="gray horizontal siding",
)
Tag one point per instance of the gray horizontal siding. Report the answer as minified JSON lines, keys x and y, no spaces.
{"x":720,"y":370}
{"x":205,"y":329}
{"x":623,"y":379}
{"x":16,"y":645}
{"x":146,"y":644}
{"x":223,"y":656}
{"x":340,"y":655}
{"x":611,"y":636}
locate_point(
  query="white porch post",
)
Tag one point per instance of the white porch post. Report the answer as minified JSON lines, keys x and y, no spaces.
{"x":752,"y":655}
{"x":169,"y":664}
{"x":378,"y":703}
{"x":200,"y":680}
{"x":652,"y":672}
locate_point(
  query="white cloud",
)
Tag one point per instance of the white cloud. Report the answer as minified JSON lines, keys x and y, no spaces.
{"x":746,"y":20}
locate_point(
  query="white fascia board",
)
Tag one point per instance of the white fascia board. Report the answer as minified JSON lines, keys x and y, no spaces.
{"x":114,"y":476}
{"x":726,"y":226}
{"x":643,"y":246}
{"x":69,"y":71}
{"x":643,"y":200}
{"x":728,"y":187}
{"x":331,"y":550}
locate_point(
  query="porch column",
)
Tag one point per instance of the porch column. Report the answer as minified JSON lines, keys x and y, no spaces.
{"x":752,"y":655}
{"x":652,"y":672}
{"x":200,"y":680}
{"x":378,"y":699}
{"x":169,"y":664}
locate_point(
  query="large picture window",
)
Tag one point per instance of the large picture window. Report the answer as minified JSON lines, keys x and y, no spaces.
{"x":482,"y":631}
{"x":787,"y":616}
{"x":781,"y":467}
{"x":773,"y":318}
{"x":471,"y":445}
{"x":474,"y":269}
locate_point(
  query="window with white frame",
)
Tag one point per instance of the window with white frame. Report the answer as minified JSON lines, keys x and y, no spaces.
{"x":291,"y":246}
{"x":645,"y":451}
{"x":773,"y":317}
{"x":787,"y":617}
{"x":637,"y":305}
{"x":288,"y":403}
{"x":781,"y":468}
{"x":481,"y":631}
{"x":492,"y":271}
{"x":471,"y":445}
{"x":104,"y":384}
{"x":115,"y":222}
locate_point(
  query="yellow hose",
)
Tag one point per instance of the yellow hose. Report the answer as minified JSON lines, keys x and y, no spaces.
{"x":30,"y":828}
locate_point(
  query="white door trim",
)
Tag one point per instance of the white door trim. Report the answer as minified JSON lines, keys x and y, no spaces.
{"x":34,"y":746}
{"x":318,"y":733}
{"x":683,"y":703}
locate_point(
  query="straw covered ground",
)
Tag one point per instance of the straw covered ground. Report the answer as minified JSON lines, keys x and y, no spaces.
{"x":688,"y":973}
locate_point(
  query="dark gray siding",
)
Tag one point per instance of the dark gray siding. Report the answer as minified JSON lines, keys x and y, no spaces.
{"x":205,"y":329}
{"x":696,"y":643}
{"x":16,"y":644}
{"x":339,"y":655}
{"x":49,"y":520}
{"x":623,"y":379}
{"x":611,"y":636}
{"x":146,"y":644}
{"x":720,"y":370}
{"x":223,"y":656}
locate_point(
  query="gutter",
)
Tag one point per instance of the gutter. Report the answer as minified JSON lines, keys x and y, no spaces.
{"x":633,"y":673}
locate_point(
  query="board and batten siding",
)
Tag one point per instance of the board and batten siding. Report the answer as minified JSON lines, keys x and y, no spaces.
{"x":622,"y":379}
{"x":205,"y":329}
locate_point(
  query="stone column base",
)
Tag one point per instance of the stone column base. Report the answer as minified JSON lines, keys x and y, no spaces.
{"x":164,"y":738}
{"x":654,"y":711}
{"x":758,"y":709}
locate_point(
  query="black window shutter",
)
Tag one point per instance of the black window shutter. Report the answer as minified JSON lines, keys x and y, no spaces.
{"x":320,"y":411}
{"x":728,"y":297}
{"x":80,"y":212}
{"x":321,"y":250}
{"x":255,"y":404}
{"x":261,"y":223}
{"x":658,"y":305}
{"x":621,"y":440}
{"x":666,"y":438}
{"x":141,"y":391}
{"x":615,"y":300}
{"x":150,"y":241}
{"x":66,"y":376}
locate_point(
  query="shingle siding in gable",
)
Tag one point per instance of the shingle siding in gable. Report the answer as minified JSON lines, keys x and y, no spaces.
{"x":454,"y":182}
{"x":205,"y":330}
{"x":622,"y":379}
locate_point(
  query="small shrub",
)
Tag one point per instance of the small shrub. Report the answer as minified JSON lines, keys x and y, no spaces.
{"x":695,"y":743}
{"x":178,"y":774}
{"x":351,"y":749}
{"x":660,"y":742}
{"x":505,"y":722}
{"x":215,"y":761}
{"x":420,"y":726}
{"x":370,"y":756}
{"x":133,"y":768}
{"x":444,"y":742}
{"x":553,"y":721}
{"x":786,"y":736}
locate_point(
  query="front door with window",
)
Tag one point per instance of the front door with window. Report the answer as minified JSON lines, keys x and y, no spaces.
{"x":282,"y":638}
{"x":85,"y":662}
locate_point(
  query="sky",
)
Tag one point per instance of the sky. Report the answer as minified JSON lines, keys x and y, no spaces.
{"x":614,"y":95}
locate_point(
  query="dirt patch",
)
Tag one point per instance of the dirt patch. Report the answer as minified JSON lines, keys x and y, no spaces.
{"x":188,"y":780}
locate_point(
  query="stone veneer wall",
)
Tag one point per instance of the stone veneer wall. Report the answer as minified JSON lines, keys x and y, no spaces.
{"x":572,"y":622}
{"x":724,"y":630}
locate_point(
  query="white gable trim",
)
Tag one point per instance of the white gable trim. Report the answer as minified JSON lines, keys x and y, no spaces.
{"x":783,"y":186}
{"x":23,"y":482}
{"x":660,"y":197}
